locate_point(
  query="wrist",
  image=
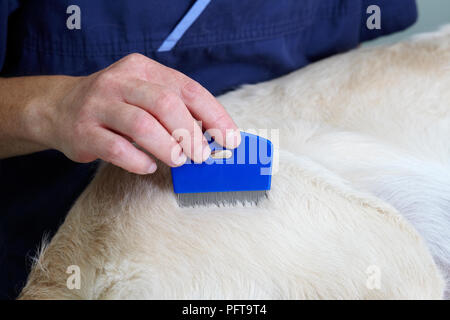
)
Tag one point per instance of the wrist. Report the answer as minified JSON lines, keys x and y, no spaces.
{"x":40,"y":116}
{"x":35,"y":123}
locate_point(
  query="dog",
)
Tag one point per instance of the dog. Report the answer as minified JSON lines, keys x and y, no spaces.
{"x":359,"y":206}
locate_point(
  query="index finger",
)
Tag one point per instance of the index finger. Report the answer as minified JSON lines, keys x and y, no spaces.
{"x":204,"y":106}
{"x":200,"y":102}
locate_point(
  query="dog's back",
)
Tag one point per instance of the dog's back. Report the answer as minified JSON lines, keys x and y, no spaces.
{"x":364,"y":156}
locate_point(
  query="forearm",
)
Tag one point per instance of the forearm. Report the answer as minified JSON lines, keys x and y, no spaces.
{"x":25,"y":103}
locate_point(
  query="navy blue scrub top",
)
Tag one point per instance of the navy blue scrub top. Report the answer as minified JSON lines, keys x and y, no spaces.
{"x":231,"y":43}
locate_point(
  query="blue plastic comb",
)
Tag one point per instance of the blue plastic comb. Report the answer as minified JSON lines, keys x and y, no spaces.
{"x":228,"y":176}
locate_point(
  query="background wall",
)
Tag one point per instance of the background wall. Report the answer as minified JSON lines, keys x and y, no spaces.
{"x":432,"y":14}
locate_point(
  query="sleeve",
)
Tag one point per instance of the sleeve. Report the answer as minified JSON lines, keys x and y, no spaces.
{"x":4,"y":12}
{"x":6,"y":8}
{"x":395,"y":16}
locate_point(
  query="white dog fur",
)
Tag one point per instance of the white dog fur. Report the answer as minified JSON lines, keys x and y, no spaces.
{"x":361,"y":194}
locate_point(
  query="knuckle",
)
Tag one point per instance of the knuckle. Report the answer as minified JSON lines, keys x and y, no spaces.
{"x":114,"y":149}
{"x":141,"y":125}
{"x":134,"y":58}
{"x":105,"y":78}
{"x":167,"y":101}
{"x":192,"y":87}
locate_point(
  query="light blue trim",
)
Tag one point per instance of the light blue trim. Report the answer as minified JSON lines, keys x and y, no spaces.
{"x":190,"y":17}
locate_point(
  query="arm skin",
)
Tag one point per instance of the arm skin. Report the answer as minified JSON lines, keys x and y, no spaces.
{"x":99,"y":116}
{"x":21,"y":100}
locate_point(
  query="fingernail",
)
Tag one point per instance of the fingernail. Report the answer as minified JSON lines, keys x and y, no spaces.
{"x":206,"y":152}
{"x":181,"y":159}
{"x":201,"y":152}
{"x":233,"y":138}
{"x":151,"y":168}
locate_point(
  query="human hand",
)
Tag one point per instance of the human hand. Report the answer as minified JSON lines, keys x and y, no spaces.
{"x":135,"y":100}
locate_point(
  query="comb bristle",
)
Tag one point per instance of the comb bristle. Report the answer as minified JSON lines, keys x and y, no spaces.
{"x":229,"y":198}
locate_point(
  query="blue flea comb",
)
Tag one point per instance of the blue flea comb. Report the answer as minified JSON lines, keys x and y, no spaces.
{"x":228,"y":176}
